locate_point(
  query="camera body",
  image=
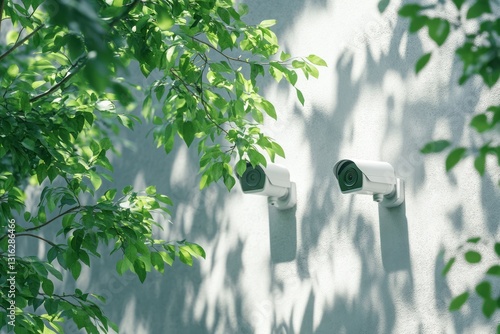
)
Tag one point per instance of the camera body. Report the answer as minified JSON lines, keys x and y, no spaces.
{"x":272,"y":181}
{"x":375,"y":178}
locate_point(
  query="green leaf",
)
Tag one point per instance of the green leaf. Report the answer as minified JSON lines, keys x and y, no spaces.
{"x":458,"y":301}
{"x":122,"y":266}
{"x":151,"y":190}
{"x":53,"y":271}
{"x":316,"y":60}
{"x":76,"y":269}
{"x":278,"y":149}
{"x":483,"y":289}
{"x":438,"y":30}
{"x":267,"y":23}
{"x":480,"y":123}
{"x":497,"y":248}
{"x":284,"y":56}
{"x":224,"y":15}
{"x":229,"y":181}
{"x":448,"y":266}
{"x":51,"y":306}
{"x":140,"y":269}
{"x":203,"y":181}
{"x":435,"y":146}
{"x":300,"y":96}
{"x":269,"y":109}
{"x":163,"y":18}
{"x":494,"y":270}
{"x":147,"y":107}
{"x":196,"y":249}
{"x":95,"y":179}
{"x":185,"y":257}
{"x":241,"y":167}
{"x":256,"y":157}
{"x":166,"y":258}
{"x":454,"y":157}
{"x":479,"y":8}
{"x":472,"y":257}
{"x":422,"y":62}
{"x":13,"y":70}
{"x":48,"y":287}
{"x":188,"y":132}
{"x":298,"y":64}
{"x":157,"y":262}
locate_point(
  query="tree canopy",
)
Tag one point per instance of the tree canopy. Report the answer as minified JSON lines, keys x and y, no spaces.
{"x":65,"y":95}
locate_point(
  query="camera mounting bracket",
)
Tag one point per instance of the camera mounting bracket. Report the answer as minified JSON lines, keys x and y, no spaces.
{"x":286,"y":202}
{"x":396,"y":197}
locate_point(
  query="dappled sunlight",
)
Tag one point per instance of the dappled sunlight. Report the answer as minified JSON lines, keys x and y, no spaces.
{"x":334,"y":262}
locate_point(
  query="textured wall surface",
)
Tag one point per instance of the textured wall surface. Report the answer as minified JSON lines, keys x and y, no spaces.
{"x":335,"y":263}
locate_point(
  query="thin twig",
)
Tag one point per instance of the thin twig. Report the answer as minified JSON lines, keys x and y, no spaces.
{"x":21,"y":42}
{"x":36,"y":236}
{"x":66,"y":77}
{"x":53,"y":219}
{"x":220,"y":52}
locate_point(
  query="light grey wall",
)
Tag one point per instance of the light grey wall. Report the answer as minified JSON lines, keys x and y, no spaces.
{"x":335,"y":263}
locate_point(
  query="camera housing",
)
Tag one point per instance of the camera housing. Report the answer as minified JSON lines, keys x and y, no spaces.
{"x":272,"y":181}
{"x":375,"y":178}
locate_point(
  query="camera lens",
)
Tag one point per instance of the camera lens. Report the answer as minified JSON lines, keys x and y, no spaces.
{"x":253,"y":178}
{"x":350,"y":177}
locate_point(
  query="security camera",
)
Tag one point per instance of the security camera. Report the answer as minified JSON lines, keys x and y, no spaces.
{"x":272,"y":181}
{"x":375,"y":178}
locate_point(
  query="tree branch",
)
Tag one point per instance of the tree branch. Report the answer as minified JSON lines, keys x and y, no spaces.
{"x":222,"y":53}
{"x":53,"y":219}
{"x":71,"y":71}
{"x":21,"y":42}
{"x":36,"y":236}
{"x":202,"y":101}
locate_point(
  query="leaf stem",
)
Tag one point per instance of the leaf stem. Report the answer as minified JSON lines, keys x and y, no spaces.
{"x":21,"y":42}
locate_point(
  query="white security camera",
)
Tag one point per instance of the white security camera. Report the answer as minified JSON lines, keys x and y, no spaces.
{"x":375,"y":178}
{"x":272,"y":181}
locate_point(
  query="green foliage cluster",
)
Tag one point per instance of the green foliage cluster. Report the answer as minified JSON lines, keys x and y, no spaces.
{"x":65,"y":96}
{"x":484,"y":289}
{"x":479,"y":55}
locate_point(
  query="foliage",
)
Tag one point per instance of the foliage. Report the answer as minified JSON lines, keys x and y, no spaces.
{"x":491,"y":302}
{"x":479,"y":55}
{"x":66,"y":95}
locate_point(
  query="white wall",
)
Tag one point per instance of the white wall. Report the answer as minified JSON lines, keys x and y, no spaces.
{"x":335,"y":263}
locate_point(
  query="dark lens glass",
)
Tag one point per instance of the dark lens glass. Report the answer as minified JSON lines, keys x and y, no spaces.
{"x":350,"y":177}
{"x":253,"y":178}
